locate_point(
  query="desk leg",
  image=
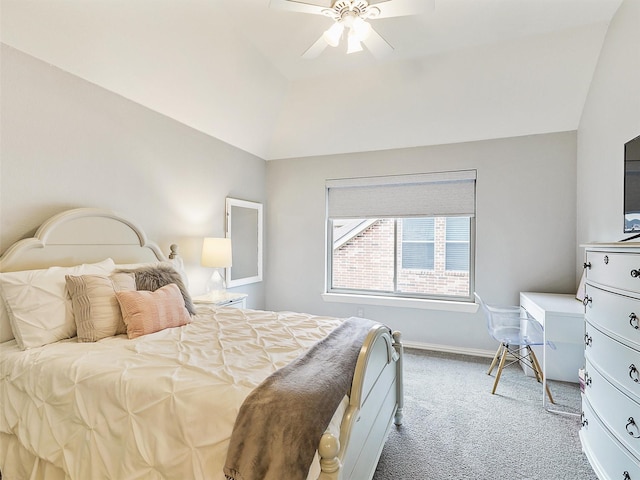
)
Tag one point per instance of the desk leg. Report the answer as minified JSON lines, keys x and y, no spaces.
{"x":544,"y":371}
{"x":544,"y":383}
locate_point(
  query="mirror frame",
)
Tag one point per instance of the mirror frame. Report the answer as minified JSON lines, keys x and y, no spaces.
{"x":229,"y":206}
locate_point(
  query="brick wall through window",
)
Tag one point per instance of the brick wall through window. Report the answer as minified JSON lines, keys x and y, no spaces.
{"x":366,"y":263}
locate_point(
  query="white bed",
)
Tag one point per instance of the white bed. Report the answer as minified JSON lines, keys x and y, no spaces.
{"x":163,"y":405}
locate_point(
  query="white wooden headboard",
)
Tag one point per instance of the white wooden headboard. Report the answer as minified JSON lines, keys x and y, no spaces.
{"x":81,"y":235}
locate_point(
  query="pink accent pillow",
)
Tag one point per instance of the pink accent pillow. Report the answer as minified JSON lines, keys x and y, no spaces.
{"x":146,"y":312}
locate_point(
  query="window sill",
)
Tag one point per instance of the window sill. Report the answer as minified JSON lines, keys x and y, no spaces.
{"x":450,"y":306}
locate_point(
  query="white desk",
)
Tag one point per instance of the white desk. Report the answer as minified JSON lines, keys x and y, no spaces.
{"x":562,"y":317}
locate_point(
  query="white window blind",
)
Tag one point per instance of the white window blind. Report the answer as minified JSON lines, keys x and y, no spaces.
{"x":457,"y":246}
{"x":431,"y":194}
{"x":418,"y":236}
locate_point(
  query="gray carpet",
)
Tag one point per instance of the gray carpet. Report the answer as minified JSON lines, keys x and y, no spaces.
{"x":455,"y":429}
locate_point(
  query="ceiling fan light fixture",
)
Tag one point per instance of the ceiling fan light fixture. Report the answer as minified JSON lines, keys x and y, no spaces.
{"x":353,"y":16}
{"x":333,"y":34}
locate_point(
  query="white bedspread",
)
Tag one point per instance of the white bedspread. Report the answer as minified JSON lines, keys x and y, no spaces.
{"x":159,"y":406}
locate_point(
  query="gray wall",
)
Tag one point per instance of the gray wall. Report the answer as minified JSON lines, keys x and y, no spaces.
{"x":526,"y":211}
{"x":67,"y":143}
{"x":610,"y":118}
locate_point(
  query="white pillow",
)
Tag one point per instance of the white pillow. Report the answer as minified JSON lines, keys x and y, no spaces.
{"x":133,"y":266}
{"x":177,"y":266}
{"x":6,"y":333}
{"x":38,"y":305}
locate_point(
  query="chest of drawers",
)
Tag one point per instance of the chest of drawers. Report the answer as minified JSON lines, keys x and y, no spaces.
{"x":610,"y":432}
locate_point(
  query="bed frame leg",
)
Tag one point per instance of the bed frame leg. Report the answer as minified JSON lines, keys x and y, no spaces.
{"x":329,"y":461}
{"x":397,"y":344}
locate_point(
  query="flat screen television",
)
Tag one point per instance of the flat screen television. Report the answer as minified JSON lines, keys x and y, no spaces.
{"x":632,"y":186}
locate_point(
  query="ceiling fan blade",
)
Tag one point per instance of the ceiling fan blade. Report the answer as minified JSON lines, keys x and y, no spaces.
{"x":377,"y":45}
{"x":316,"y":49}
{"x":295,"y":6}
{"x":399,"y":8}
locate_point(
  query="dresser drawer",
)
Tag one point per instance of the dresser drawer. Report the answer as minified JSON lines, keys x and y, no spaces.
{"x":614,"y":269}
{"x":619,"y":413}
{"x":619,"y":363}
{"x":607,"y":456}
{"x":615,"y":314}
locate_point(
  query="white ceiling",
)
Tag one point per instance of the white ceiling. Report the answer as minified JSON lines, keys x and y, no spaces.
{"x":467,"y":70}
{"x":453,"y":25}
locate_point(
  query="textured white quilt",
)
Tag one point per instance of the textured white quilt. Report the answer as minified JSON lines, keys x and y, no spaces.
{"x":159,"y":406}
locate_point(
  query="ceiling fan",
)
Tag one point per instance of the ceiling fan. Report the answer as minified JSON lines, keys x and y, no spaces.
{"x":351,"y":16}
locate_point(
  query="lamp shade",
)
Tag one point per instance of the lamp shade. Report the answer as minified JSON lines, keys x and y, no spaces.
{"x":361,"y":29}
{"x":353,"y":42}
{"x":216,"y":252}
{"x":333,"y":34}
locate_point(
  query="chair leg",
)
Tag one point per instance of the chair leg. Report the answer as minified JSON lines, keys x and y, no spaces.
{"x":539,"y":371}
{"x":496,"y":357}
{"x":534,"y":366}
{"x":500,"y":367}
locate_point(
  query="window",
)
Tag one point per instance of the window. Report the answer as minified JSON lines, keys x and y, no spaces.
{"x":413,"y":236}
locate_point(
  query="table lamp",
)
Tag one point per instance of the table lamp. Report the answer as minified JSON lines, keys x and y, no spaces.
{"x":216,"y":253}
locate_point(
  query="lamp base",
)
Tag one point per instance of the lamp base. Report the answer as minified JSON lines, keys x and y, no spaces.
{"x":216,"y":286}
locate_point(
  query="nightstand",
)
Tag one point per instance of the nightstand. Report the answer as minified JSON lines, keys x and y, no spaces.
{"x":228,"y":299}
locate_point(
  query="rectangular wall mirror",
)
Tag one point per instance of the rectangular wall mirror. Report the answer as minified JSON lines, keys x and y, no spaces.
{"x":244,"y":227}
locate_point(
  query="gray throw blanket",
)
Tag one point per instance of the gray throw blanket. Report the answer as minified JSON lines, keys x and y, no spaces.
{"x":280,"y":423}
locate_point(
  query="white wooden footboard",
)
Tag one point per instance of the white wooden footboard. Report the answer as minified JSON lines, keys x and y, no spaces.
{"x":375,"y":403}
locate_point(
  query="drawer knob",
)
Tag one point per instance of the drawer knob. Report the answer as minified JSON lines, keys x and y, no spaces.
{"x":587,"y":340}
{"x":633,"y":372}
{"x":632,"y":428}
{"x":633,"y":321}
{"x":586,"y":265}
{"x":635,"y":273}
{"x":587,"y":300}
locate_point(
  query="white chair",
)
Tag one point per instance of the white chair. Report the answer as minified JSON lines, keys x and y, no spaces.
{"x":517,"y":332}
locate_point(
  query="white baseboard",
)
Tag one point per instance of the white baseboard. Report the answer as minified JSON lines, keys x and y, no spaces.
{"x":476,"y":352}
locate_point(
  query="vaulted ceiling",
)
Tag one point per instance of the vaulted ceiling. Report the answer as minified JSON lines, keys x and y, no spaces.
{"x":466,"y":70}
